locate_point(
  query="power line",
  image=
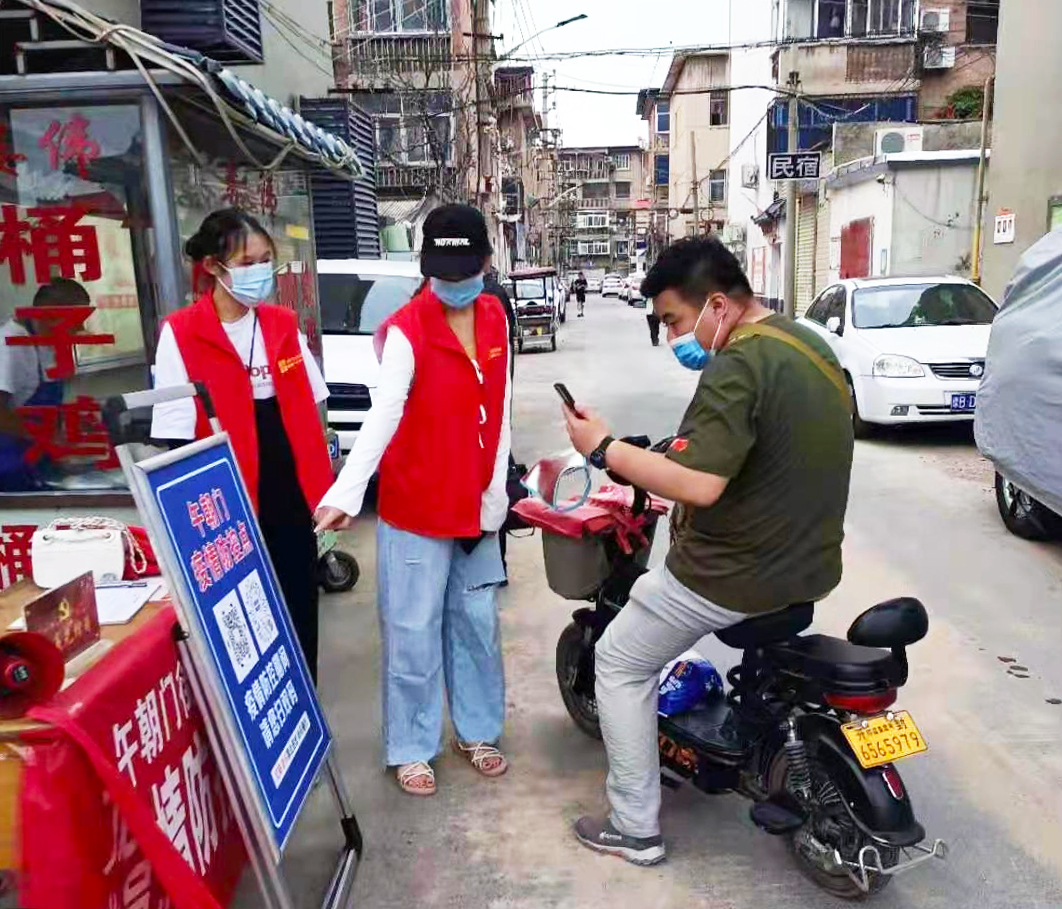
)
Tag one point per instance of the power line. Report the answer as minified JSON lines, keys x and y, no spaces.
{"x":295,"y":47}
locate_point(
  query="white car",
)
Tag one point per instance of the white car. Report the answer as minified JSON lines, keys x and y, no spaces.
{"x":357,"y":295}
{"x":912,"y":349}
{"x":593,"y":285}
{"x":632,"y":290}
{"x":611,"y":286}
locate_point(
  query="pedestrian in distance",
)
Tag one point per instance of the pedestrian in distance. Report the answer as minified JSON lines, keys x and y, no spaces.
{"x":654,"y":325}
{"x":759,"y":472}
{"x":439,"y":433}
{"x":579,"y":286}
{"x":265,"y":386}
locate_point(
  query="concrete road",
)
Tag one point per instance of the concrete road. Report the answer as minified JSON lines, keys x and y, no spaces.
{"x":922,"y":522}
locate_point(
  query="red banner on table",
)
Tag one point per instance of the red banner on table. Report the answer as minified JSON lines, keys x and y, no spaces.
{"x":130,"y":748}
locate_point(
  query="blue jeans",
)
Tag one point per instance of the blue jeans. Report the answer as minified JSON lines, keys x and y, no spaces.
{"x":438,"y":621}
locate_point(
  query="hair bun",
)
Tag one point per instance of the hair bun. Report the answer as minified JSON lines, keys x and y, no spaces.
{"x":194,"y":247}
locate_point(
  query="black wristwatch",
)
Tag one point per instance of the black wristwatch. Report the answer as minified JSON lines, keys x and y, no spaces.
{"x":597,"y":456}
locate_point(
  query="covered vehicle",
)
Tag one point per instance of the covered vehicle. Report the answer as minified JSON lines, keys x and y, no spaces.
{"x":1018,"y":421}
{"x":535,"y":295}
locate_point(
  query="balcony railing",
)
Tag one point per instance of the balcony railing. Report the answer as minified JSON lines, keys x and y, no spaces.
{"x":603,"y":202}
{"x":399,"y":54}
{"x":401,"y":176}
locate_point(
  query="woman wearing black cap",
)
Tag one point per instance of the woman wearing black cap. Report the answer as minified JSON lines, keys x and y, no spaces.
{"x":439,"y":433}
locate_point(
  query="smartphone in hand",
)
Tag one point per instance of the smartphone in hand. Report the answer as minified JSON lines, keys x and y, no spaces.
{"x":566,"y":397}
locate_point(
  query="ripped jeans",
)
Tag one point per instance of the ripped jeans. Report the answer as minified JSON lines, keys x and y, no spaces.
{"x":438,"y":622}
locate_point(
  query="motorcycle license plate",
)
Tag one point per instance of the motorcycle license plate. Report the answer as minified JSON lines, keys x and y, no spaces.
{"x":883,"y":739}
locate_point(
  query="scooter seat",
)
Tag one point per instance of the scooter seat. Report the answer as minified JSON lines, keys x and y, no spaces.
{"x":837,"y":665}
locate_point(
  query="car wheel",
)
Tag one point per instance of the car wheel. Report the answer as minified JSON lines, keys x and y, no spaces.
{"x":1023,"y":515}
{"x":861,"y":429}
{"x":519,"y":346}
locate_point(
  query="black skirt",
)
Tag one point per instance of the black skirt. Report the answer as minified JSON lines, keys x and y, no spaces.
{"x":287,"y":526}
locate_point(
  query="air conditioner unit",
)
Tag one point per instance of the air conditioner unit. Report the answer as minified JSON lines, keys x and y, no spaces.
{"x":893,"y":141}
{"x":750,"y":176}
{"x":939,"y":57}
{"x":936,"y":20}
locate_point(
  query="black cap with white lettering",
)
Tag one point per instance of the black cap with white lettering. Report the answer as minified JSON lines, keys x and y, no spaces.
{"x":456,"y":244}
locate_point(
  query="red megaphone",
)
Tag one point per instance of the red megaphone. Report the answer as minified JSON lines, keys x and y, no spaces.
{"x":32,"y":670}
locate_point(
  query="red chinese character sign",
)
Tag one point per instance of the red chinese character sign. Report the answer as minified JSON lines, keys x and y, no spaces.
{"x":70,"y":141}
{"x":54,"y":240}
{"x":83,"y":845}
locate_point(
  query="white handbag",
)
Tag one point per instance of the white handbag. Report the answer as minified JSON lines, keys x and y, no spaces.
{"x":68,"y":547}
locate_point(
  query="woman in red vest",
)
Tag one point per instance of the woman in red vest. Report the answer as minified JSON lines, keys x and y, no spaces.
{"x":265,"y":386}
{"x":439,"y":433}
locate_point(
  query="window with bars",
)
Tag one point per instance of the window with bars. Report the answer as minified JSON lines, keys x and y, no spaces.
{"x":882,"y":17}
{"x":623,"y":190}
{"x":398,"y":15}
{"x":719,"y":109}
{"x":413,"y":128}
{"x":623,"y":161}
{"x":593,"y":220}
{"x":982,"y":21}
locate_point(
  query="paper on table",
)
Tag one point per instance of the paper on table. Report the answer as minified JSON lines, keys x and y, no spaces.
{"x":118,"y":604}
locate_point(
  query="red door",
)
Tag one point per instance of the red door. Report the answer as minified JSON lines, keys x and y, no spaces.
{"x":856,"y":248}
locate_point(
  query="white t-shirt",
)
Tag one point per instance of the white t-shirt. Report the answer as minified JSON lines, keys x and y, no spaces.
{"x":20,"y":367}
{"x":176,"y":420}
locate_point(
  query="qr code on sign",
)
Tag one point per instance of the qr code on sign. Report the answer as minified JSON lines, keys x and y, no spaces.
{"x":237,"y":636}
{"x":258,"y":610}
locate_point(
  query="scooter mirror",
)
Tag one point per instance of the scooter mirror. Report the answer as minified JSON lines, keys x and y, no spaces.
{"x":562,"y":481}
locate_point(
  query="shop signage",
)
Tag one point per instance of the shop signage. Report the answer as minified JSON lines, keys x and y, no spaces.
{"x":204,"y":510}
{"x":794,"y":166}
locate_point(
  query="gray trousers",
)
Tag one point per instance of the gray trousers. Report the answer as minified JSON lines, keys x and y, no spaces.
{"x":661,"y":620}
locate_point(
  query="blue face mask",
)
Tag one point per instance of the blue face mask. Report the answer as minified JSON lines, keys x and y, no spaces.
{"x":251,"y":284}
{"x":458,"y":294}
{"x":689,"y":351}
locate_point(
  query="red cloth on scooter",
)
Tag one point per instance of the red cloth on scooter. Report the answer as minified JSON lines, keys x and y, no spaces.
{"x":608,"y":510}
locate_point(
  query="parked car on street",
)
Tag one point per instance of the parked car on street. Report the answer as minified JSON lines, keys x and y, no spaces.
{"x":611,"y":285}
{"x":593,"y":285}
{"x":632,"y":290}
{"x":357,"y":295}
{"x":1019,"y":409}
{"x":912,"y":349}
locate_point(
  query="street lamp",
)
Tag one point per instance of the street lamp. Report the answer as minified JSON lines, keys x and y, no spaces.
{"x":551,"y":28}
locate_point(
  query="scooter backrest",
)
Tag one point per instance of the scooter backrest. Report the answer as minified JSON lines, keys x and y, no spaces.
{"x":894,"y":623}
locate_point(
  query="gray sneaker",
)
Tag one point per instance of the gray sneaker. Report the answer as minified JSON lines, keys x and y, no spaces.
{"x":599,"y":834}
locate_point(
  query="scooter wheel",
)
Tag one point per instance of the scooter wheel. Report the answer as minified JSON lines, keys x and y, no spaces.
{"x":572,"y":649}
{"x":337,"y":572}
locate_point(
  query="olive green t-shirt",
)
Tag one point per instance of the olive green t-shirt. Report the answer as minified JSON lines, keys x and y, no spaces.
{"x":767,"y":418}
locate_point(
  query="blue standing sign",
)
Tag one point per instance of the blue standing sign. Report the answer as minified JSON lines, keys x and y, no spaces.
{"x":206,"y":513}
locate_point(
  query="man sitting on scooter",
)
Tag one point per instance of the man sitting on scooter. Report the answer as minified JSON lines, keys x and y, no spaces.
{"x":759,"y":473}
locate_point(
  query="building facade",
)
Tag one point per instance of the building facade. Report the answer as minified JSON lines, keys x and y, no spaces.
{"x":599,"y":223}
{"x":1025,"y":179}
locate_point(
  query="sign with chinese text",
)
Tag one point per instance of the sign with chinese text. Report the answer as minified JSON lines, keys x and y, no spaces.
{"x":247,"y":629}
{"x":66,"y":616}
{"x":794,"y":165}
{"x":78,"y":850}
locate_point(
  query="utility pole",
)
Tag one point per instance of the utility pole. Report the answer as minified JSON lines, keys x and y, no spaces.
{"x":696,"y":186}
{"x":789,"y":296}
{"x":975,"y":255}
{"x":480,"y":29}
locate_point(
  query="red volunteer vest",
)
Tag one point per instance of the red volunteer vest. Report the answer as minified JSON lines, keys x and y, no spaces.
{"x":211,"y":359}
{"x":441,"y":459}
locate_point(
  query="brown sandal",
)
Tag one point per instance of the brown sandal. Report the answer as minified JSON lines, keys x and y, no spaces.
{"x":408,"y":774}
{"x":479,"y":754}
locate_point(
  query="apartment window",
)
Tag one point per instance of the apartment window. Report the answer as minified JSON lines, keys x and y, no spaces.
{"x":662,"y":170}
{"x":663,"y":116}
{"x":982,"y":21}
{"x":411,"y":128}
{"x":623,"y":190}
{"x":719,"y":109}
{"x":623,"y":162}
{"x":593,"y":220}
{"x":717,"y":186}
{"x":623,"y":248}
{"x":882,"y":17}
{"x":398,"y":15}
